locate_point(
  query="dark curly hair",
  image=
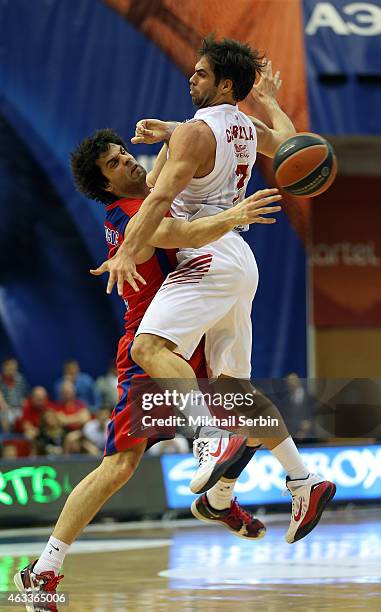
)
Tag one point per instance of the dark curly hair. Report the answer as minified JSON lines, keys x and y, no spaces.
{"x":88,"y":177}
{"x":231,"y":59}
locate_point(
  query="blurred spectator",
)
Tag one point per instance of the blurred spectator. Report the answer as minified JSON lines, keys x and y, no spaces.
{"x":4,"y":424}
{"x":33,"y":409}
{"x":73,"y":412}
{"x":107,"y":387}
{"x":9,"y":451}
{"x":51,"y":436}
{"x":297,"y":409}
{"x":53,"y":439}
{"x":76,"y":443}
{"x":95,"y":431}
{"x":84,"y":384}
{"x":13,"y":388}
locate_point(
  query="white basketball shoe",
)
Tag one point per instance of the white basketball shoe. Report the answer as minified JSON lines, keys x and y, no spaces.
{"x":309,"y":498}
{"x":215,"y":456}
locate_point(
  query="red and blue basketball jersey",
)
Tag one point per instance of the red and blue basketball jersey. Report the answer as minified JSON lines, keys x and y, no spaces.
{"x":154,"y":271}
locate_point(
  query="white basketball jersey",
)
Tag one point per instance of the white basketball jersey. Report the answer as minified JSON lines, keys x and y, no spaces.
{"x":236,"y":150}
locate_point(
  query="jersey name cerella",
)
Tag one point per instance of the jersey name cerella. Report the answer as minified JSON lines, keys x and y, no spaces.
{"x":239,"y":132}
{"x":235,"y":154}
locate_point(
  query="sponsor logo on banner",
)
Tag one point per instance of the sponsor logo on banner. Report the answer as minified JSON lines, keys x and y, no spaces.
{"x":354,"y":18}
{"x":345,"y":253}
{"x":345,"y":256}
{"x":356,"y":470}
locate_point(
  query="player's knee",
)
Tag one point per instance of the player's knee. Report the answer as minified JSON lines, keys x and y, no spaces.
{"x":138,"y":350}
{"x":143,"y":349}
{"x":120,"y":467}
{"x":131,"y":463}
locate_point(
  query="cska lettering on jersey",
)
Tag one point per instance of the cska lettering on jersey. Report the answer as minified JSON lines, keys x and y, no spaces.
{"x":239,"y":132}
{"x":112,"y":236}
{"x":354,"y":18}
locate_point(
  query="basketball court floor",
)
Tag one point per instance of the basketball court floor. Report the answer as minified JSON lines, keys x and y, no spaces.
{"x":187,"y":566}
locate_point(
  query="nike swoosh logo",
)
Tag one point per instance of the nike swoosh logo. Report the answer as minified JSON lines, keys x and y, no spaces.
{"x":299,"y":513}
{"x":218,"y":449}
{"x":54,"y":547}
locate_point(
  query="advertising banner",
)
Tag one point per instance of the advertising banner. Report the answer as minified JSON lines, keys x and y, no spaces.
{"x":356,"y":470}
{"x":343,"y":47}
{"x":343,"y":36}
{"x":346,"y":255}
{"x":35,"y":490}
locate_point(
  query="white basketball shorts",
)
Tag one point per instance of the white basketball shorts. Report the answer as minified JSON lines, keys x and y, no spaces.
{"x":210,"y":292}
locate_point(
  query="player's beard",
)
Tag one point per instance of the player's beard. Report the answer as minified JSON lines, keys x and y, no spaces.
{"x":203,"y":102}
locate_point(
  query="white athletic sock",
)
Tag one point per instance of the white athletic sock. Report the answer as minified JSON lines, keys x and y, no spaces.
{"x":220,"y":495}
{"x":52,"y":557}
{"x":288,"y":455}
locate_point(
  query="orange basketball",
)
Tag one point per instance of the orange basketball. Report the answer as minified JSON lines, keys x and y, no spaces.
{"x":305,"y":165}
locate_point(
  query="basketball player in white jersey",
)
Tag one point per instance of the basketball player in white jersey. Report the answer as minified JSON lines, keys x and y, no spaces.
{"x":211,"y":291}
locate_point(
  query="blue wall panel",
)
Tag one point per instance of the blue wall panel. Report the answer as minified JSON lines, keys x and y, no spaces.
{"x":67,"y":69}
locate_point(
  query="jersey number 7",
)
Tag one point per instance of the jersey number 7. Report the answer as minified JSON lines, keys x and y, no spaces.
{"x":241,"y":171}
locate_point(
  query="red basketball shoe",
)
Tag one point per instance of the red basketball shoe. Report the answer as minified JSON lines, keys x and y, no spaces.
{"x":309,"y":498}
{"x":235,"y":518}
{"x":41,"y":588}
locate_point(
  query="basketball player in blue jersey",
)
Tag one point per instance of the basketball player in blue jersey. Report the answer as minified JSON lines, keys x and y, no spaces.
{"x":105,"y":171}
{"x":210,"y":159}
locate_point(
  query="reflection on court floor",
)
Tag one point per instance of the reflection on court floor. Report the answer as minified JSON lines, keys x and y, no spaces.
{"x":334,"y":553}
{"x":338,"y":567}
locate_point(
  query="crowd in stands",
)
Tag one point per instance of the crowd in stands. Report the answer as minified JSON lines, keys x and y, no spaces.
{"x":73,"y":421}
{"x":75,"y":418}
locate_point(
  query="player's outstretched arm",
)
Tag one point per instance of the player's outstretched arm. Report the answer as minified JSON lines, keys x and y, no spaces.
{"x":188,"y":147}
{"x":177,"y":233}
{"x":158,"y":165}
{"x":151,"y":131}
{"x":265,"y":94}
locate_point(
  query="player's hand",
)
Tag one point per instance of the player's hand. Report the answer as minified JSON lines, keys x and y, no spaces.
{"x":268,"y":85}
{"x":252,"y":209}
{"x":121,"y":269}
{"x":149,"y":131}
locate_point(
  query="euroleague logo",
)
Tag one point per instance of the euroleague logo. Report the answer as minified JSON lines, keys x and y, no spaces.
{"x":355,"y":18}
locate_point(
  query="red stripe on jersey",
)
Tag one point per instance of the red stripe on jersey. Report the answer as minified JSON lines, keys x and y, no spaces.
{"x":194,"y":270}
{"x":193,"y":265}
{"x":199,"y":268}
{"x":193,"y":277}
{"x":184,"y":277}
{"x":191,"y":272}
{"x":198,"y":260}
{"x":181,"y":282}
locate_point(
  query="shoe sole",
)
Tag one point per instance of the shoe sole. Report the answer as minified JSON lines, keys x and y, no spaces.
{"x":323,"y":502}
{"x":20,"y":587}
{"x":203,"y":518}
{"x":209,"y":479}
